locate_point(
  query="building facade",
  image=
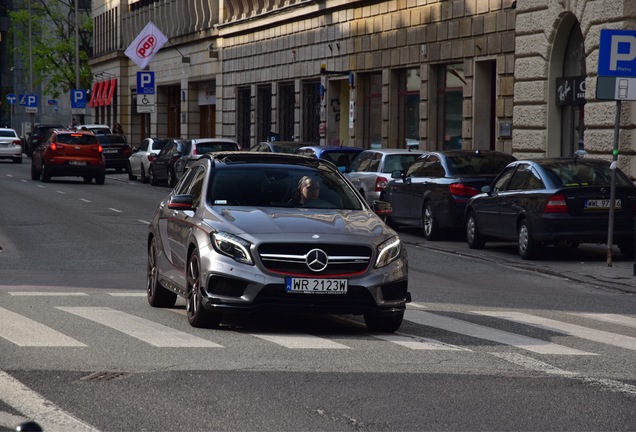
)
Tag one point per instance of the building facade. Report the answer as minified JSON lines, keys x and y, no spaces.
{"x":430,"y":74}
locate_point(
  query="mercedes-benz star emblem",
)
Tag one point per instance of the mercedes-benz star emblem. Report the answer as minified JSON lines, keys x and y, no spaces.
{"x":317,"y":260}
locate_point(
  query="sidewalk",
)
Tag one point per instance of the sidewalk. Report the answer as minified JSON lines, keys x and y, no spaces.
{"x":586,"y":264}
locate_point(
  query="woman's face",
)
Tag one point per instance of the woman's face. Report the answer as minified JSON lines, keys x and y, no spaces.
{"x":310,"y":189}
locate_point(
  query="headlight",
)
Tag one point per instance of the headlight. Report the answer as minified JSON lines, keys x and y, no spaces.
{"x":388,"y":252}
{"x":232,"y":246}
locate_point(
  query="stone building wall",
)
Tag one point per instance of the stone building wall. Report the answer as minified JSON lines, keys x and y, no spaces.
{"x":536,"y":116}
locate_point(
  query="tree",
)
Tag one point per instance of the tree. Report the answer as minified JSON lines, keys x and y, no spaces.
{"x":53,"y":43}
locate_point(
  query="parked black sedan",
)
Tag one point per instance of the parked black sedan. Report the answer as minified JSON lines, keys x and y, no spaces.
{"x":162,"y":167}
{"x":116,"y":151}
{"x":558,"y":201}
{"x":433,"y":192}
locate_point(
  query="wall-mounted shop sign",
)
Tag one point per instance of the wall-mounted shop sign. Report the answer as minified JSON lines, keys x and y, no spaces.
{"x":571,"y":91}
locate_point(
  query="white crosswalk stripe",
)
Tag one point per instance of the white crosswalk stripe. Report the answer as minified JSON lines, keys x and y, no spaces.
{"x":145,"y":330}
{"x":614,"y":339}
{"x":609,"y":318}
{"x":418,"y":343}
{"x":299,"y":341}
{"x":26,"y":332}
{"x":489,"y":333}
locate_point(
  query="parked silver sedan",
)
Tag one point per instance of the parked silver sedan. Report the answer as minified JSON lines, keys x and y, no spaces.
{"x":247,"y":231}
{"x":371,"y":170}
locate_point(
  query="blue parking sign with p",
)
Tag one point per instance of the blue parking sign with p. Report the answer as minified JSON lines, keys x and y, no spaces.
{"x":617,"y":53}
{"x":78,"y":98}
{"x":145,"y":82}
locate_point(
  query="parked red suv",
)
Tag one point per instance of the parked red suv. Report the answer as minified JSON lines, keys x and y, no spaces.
{"x":69,"y":153}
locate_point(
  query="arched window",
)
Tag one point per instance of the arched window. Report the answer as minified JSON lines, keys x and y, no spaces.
{"x":572,"y":114}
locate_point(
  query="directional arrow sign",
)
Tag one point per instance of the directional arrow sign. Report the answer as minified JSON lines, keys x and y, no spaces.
{"x":11,"y":98}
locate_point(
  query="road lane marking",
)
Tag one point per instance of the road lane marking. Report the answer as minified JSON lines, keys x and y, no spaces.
{"x":10,"y":421}
{"x":25,"y":332}
{"x":539,"y":366}
{"x":41,"y":186}
{"x":416,"y":305}
{"x":600,"y":336}
{"x":85,"y":200}
{"x":61,"y":193}
{"x":488,"y":333}
{"x":299,"y":341}
{"x":32,"y":405}
{"x":610,"y":318}
{"x":46,"y":294}
{"x":128,"y":294}
{"x":418,"y":343}
{"x":115,"y":210}
{"x":145,"y":330}
{"x":143,"y":221}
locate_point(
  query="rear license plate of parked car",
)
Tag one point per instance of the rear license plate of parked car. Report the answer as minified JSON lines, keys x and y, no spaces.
{"x":110,"y":150}
{"x":601,"y":204}
{"x":316,"y":286}
{"x":77,"y":162}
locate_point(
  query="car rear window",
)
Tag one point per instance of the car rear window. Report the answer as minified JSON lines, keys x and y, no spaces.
{"x":111,"y":139}
{"x":203,"y":148}
{"x":474,"y":164}
{"x":6,"y":133}
{"x":399,"y":162}
{"x":80,"y":139}
{"x":584,"y":173}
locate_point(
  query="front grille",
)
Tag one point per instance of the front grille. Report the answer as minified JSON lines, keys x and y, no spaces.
{"x":292,"y":258}
{"x":277,"y":294}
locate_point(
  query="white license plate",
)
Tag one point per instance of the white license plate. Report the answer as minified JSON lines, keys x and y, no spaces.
{"x":316,"y":286}
{"x":601,"y":204}
{"x":77,"y":163}
{"x":110,"y":150}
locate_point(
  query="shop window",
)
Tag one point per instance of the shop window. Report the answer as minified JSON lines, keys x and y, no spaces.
{"x":285,"y":109}
{"x":263,"y":112}
{"x":243,"y":123}
{"x":409,"y":108}
{"x":372,"y":110}
{"x":449,"y":107}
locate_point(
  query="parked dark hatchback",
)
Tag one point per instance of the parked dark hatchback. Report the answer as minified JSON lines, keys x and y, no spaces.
{"x":433,"y":192}
{"x":116,"y":151}
{"x":559,"y":201}
{"x":36,"y":137}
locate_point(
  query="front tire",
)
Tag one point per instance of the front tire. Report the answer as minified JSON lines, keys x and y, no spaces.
{"x":430,"y":227}
{"x":158,"y":296}
{"x":197,"y":315}
{"x":527,"y":246}
{"x":474,"y":238}
{"x":383,"y":324}
{"x":172,"y":178}
{"x":35,"y":174}
{"x":152,"y":178}
{"x":142,"y":175}
{"x":131,"y":176}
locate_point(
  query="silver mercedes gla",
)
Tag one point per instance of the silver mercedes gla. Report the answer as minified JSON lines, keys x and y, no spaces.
{"x":246,"y":231}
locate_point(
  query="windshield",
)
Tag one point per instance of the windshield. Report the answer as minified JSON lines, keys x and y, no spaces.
{"x":399,"y":162}
{"x":210,"y":147}
{"x":76,"y":139}
{"x":583,"y":173}
{"x":280,"y":186}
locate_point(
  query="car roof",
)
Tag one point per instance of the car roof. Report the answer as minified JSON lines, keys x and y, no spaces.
{"x":242,"y":157}
{"x":213,"y":140}
{"x":7,"y":129}
{"x":332,"y":148}
{"x":394,"y":151}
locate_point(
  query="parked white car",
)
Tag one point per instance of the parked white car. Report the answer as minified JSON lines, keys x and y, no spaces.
{"x":139,"y":161}
{"x":97,"y":129}
{"x":10,"y":145}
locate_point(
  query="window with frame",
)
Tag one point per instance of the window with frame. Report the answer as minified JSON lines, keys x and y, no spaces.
{"x":409,"y":108}
{"x":450,"y":89}
{"x":372,"y":110}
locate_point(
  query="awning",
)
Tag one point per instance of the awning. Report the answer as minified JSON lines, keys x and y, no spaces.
{"x":104,"y":91}
{"x":111,"y":91}
{"x":93,"y":99}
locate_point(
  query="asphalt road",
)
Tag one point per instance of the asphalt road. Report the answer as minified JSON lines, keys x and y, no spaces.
{"x":489,"y":342}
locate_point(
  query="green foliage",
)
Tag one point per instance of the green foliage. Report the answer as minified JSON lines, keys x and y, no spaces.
{"x":53,"y":44}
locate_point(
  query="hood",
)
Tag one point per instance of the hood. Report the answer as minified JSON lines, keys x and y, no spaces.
{"x":282,"y":223}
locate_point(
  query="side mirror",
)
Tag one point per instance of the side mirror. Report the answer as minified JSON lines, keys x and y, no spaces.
{"x":486,"y":189}
{"x":181,"y":202}
{"x":396,"y":174}
{"x":135,"y":149}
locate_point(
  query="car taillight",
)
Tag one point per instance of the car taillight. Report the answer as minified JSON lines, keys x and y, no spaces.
{"x":55,"y":146}
{"x":194,"y":150}
{"x":556,"y":204}
{"x":97,"y":148}
{"x":380,"y":183}
{"x":151,"y":158}
{"x":17,"y":142}
{"x":127,"y":151}
{"x":460,"y":189}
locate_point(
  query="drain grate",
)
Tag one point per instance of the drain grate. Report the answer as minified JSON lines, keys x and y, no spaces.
{"x":104,"y":376}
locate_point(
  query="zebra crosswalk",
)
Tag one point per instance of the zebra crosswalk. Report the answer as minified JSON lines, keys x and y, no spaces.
{"x":23,"y":330}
